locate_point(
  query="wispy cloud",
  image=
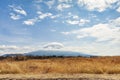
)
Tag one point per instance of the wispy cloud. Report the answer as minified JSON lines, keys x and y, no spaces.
{"x":44,"y":15}
{"x":63,"y":6}
{"x":77,"y":22}
{"x":100,"y":5}
{"x":50,"y":3}
{"x":38,"y":1}
{"x":30,"y":21}
{"x":14,"y":16}
{"x":18,"y":9}
{"x":41,"y":16}
{"x":65,"y":1}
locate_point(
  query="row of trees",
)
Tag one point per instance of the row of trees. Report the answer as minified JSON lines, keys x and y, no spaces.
{"x":23,"y":58}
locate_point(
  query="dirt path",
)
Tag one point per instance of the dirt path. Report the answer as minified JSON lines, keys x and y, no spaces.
{"x":60,"y":77}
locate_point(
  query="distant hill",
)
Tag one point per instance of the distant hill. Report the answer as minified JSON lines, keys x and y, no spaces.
{"x":49,"y":53}
{"x":55,"y":53}
{"x":12,"y":55}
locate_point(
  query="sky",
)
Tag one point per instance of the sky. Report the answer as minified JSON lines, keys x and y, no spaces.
{"x":87,"y":26}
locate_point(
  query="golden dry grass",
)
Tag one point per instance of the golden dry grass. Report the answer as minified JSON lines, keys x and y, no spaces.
{"x":98,"y":65}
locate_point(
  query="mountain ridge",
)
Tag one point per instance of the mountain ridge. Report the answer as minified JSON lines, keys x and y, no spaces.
{"x":50,"y":53}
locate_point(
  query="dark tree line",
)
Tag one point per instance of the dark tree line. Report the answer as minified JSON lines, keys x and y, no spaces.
{"x":23,"y":58}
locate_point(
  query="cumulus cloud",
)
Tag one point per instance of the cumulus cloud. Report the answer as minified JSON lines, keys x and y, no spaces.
{"x":115,"y":22}
{"x":44,"y":15}
{"x":18,"y":9}
{"x":40,"y":16}
{"x":77,"y":22}
{"x":53,"y":45}
{"x":75,"y":17}
{"x":14,"y":16}
{"x":72,"y":16}
{"x":30,"y":21}
{"x":11,"y":49}
{"x":102,"y":32}
{"x":118,"y":6}
{"x":63,"y":6}
{"x":36,"y":19}
{"x":66,"y":1}
{"x":65,"y":33}
{"x":38,"y":1}
{"x":118,"y":9}
{"x":50,"y":3}
{"x":55,"y":16}
{"x":98,"y":5}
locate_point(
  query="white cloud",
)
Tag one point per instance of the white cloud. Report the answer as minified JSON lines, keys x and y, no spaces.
{"x":115,"y":22}
{"x":30,"y":21}
{"x":65,"y":33}
{"x":72,"y":16}
{"x":18,"y":10}
{"x":38,"y":1}
{"x":41,"y":16}
{"x":14,"y":16}
{"x":107,"y":40}
{"x":50,"y":3}
{"x":102,"y":32}
{"x":73,"y":22}
{"x":6,"y":47}
{"x":98,"y":5}
{"x":69,"y":13}
{"x":75,"y":17}
{"x":78,"y":22}
{"x":55,"y":16}
{"x":95,"y":49}
{"x":53,"y":45}
{"x":118,"y":9}
{"x":67,"y":1}
{"x":63,"y":6}
{"x":39,"y":12}
{"x":118,"y":6}
{"x":13,"y":49}
{"x":44,"y":15}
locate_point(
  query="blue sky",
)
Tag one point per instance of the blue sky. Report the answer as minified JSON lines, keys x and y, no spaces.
{"x":87,"y":26}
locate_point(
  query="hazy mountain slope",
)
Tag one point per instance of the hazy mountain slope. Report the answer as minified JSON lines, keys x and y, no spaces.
{"x":56,"y":53}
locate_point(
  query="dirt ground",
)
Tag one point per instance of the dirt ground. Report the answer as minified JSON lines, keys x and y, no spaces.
{"x":60,"y":77}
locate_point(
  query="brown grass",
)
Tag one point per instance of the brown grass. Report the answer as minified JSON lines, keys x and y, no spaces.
{"x":98,"y":65}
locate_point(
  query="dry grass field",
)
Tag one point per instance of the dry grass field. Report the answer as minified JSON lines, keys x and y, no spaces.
{"x":71,"y":65}
{"x":60,"y":76}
